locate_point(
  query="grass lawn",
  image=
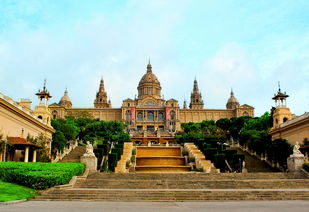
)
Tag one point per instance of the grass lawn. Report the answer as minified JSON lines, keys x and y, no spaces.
{"x":10,"y":192}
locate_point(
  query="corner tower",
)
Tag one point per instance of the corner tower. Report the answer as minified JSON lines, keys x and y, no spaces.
{"x":101,"y":97}
{"x":282,"y":113}
{"x":196,"y":98}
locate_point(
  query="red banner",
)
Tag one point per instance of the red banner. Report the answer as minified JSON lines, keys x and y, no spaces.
{"x":167,"y":113}
{"x":133,"y":113}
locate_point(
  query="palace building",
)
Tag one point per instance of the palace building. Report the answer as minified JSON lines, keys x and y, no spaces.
{"x":149,"y":113}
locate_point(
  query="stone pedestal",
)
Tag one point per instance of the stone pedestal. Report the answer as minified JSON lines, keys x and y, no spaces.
{"x":90,"y":161}
{"x":295,"y":162}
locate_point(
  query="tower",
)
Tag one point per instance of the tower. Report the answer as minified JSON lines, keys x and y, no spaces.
{"x":232,"y":102}
{"x":65,"y":101}
{"x":184,"y":104}
{"x":41,"y":111}
{"x":101,"y":97}
{"x":196,"y":98}
{"x":282,"y":113}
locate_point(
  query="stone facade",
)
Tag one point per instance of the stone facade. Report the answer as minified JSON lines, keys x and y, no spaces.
{"x":150,"y":112}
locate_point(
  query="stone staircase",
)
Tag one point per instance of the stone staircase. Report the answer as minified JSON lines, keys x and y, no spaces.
{"x":183,"y":187}
{"x":74,"y":155}
{"x":126,"y":156}
{"x":160,"y":159}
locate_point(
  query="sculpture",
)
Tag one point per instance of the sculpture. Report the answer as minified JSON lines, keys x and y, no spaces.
{"x":296,"y":149}
{"x":89,"y":149}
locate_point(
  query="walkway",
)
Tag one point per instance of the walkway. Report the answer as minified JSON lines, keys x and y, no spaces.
{"x":252,"y":206}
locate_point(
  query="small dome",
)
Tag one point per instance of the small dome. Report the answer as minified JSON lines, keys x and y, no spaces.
{"x":232,"y":99}
{"x":65,"y":100}
{"x":65,"y":97}
{"x":232,"y":102}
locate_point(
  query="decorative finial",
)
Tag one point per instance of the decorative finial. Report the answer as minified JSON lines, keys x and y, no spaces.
{"x":232,"y":93}
{"x":44,"y":84}
{"x":149,"y":67}
{"x":279,"y":86}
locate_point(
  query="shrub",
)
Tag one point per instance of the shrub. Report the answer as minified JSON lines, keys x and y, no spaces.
{"x":210,"y":153}
{"x":112,"y":161}
{"x":199,"y":170}
{"x":133,"y":151}
{"x":185,"y":153}
{"x":133,"y":158}
{"x":306,"y":167}
{"x":39,"y":175}
{"x":219,"y":162}
{"x":191,"y":159}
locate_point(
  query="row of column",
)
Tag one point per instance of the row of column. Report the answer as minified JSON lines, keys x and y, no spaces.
{"x":26,"y":160}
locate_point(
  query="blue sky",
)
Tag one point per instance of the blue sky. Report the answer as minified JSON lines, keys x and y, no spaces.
{"x":245,"y":45}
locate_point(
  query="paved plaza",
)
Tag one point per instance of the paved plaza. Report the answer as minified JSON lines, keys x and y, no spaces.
{"x":252,"y":206}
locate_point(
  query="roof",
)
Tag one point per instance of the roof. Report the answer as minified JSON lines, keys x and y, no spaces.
{"x":21,"y":141}
{"x":295,"y":119}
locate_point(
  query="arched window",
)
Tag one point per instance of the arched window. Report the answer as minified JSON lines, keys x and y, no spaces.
{"x":128,"y":115}
{"x":285,"y":119}
{"x":55,"y":114}
{"x":150,"y":116}
{"x":161,"y":116}
{"x":139,"y":116}
{"x":245,"y":114}
{"x":173,"y":115}
{"x":40,"y":117}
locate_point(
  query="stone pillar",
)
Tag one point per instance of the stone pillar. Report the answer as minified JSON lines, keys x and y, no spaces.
{"x":89,"y":159}
{"x":34,"y":156}
{"x":296,"y":162}
{"x":26,"y":154}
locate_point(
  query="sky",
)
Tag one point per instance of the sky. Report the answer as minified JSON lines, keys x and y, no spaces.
{"x":245,"y":45}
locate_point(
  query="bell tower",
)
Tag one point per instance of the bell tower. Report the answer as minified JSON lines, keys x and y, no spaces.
{"x":196,"y":98}
{"x":101,"y":97}
{"x":41,"y":111}
{"x":282,"y":113}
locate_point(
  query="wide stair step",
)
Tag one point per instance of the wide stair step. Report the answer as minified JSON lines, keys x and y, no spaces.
{"x":174,"y":195}
{"x":184,"y":187}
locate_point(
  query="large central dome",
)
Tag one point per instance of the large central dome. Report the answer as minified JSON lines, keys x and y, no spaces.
{"x":149,"y":85}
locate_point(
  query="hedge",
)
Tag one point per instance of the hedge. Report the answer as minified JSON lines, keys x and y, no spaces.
{"x":306,"y":167}
{"x":112,"y":161}
{"x":39,"y":175}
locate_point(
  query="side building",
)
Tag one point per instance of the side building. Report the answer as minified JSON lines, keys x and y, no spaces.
{"x":287,"y":126}
{"x":149,"y":112}
{"x":18,"y":120}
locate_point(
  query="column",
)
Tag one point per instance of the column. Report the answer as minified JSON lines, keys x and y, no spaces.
{"x":34,"y":156}
{"x":26,"y":154}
